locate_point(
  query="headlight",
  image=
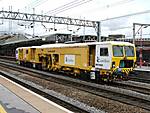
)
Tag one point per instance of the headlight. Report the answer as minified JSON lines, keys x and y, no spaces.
{"x":113,"y":64}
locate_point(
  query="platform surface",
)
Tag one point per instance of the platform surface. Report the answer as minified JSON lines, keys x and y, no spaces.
{"x":143,"y":68}
{"x":14,"y":104}
{"x":17,"y":99}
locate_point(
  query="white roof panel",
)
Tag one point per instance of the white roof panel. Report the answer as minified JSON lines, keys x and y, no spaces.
{"x":60,"y":45}
{"x":85,"y":44}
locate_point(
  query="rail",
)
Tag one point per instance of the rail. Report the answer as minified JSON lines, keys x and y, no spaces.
{"x":114,"y":93}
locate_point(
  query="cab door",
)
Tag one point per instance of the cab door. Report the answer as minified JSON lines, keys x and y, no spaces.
{"x":103,"y":57}
{"x":33,"y":52}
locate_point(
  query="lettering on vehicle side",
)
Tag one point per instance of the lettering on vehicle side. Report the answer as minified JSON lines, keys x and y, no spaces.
{"x":51,"y":51}
{"x":103,"y":60}
{"x":99,"y":64}
{"x":69,"y":59}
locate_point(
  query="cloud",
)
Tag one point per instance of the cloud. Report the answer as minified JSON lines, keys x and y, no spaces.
{"x":94,"y":10}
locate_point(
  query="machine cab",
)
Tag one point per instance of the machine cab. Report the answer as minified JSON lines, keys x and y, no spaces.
{"x":103,"y":58}
{"x":16,"y":52}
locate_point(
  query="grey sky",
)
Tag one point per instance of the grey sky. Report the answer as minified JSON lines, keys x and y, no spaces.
{"x":92,"y":10}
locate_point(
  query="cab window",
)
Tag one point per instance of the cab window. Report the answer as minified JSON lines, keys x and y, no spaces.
{"x":118,"y":51}
{"x":103,"y":51}
{"x":129,"y":51}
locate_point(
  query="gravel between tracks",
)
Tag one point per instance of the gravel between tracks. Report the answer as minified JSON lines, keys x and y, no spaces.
{"x":107,"y":105}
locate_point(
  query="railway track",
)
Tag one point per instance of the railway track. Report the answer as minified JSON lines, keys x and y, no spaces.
{"x":133,"y":85}
{"x":10,"y":58}
{"x":137,"y":76}
{"x":143,"y":77}
{"x":118,"y":92}
{"x":35,"y":88}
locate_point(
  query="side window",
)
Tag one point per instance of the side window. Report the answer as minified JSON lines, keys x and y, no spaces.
{"x":117,"y":51}
{"x":26,"y":51}
{"x":103,"y":51}
{"x":129,"y":51}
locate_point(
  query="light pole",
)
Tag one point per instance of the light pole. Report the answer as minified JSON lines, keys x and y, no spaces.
{"x":33,"y":24}
{"x":99,"y":31}
{"x":134,"y":34}
{"x":141,"y":49}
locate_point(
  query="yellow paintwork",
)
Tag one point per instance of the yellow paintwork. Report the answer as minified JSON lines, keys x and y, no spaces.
{"x":2,"y":110}
{"x":81,"y":55}
{"x":35,"y":53}
{"x":117,"y":62}
{"x":53,"y":58}
{"x":24,"y":54}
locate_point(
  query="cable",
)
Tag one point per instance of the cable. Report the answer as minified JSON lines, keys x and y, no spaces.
{"x":39,"y":3}
{"x":62,"y":6}
{"x":128,"y":15}
{"x":65,"y":7}
{"x":69,"y":7}
{"x":34,"y":4}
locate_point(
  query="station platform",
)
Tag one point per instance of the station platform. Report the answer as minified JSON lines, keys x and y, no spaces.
{"x":17,"y":99}
{"x":142,"y":68}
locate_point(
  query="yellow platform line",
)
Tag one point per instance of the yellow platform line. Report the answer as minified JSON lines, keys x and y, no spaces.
{"x":2,"y":110}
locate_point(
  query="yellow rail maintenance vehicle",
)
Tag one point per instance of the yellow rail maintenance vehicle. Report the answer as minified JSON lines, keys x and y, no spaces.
{"x":96,"y":60}
{"x":28,"y":56}
{"x":22,"y":55}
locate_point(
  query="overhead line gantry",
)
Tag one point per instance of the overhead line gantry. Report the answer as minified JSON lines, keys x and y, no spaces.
{"x":50,"y":19}
{"x":46,"y":19}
